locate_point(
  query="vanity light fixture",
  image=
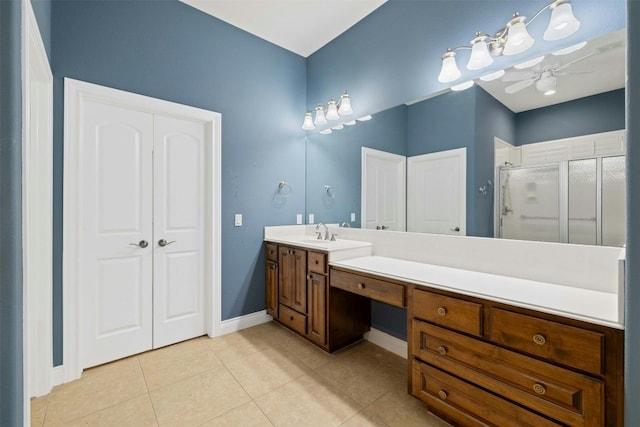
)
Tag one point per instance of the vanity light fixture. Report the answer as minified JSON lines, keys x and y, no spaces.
{"x":350,"y":123}
{"x":326,"y":131}
{"x":334,"y":111}
{"x":339,"y":127}
{"x":513,"y":39}
{"x":492,"y":76}
{"x":462,"y":86}
{"x":364,"y":118}
{"x":570,"y":49}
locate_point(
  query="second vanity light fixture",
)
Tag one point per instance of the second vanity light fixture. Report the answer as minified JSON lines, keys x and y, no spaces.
{"x":334,"y":111}
{"x":511,"y":40}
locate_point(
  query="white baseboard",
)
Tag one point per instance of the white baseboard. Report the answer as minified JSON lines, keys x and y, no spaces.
{"x":243,"y":322}
{"x":57,"y":375}
{"x":386,"y":341}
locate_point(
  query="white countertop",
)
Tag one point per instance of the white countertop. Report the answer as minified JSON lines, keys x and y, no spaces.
{"x":580,"y":304}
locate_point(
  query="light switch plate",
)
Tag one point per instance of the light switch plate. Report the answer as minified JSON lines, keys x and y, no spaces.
{"x":353,"y":217}
{"x":312,"y":218}
{"x":299,"y":219}
{"x":238,"y":220}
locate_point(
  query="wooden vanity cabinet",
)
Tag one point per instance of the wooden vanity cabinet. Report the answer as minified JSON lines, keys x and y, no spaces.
{"x":298,"y":296}
{"x":477,"y":362}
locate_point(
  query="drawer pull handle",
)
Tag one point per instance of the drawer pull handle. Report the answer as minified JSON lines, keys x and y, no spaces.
{"x":539,"y":388}
{"x":442,"y":350}
{"x":361,"y":286}
{"x":442,"y":311}
{"x":539,"y":339}
{"x":291,"y":318}
{"x":443,"y":394}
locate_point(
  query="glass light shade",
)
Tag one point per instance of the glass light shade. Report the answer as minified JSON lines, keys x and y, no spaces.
{"x":350,"y":123}
{"x":530,"y":63}
{"x":570,"y":49}
{"x":339,"y":127}
{"x":480,"y":56}
{"x":332,"y":110}
{"x":462,"y":86}
{"x":492,"y":76}
{"x":562,"y":23}
{"x":320,"y":118}
{"x":518,"y":39}
{"x":308,"y":122}
{"x":547,"y":85}
{"x":364,"y":118}
{"x":345,"y":105}
{"x":449,"y":71}
{"x":326,"y":131}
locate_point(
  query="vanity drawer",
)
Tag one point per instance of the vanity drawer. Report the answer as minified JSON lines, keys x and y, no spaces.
{"x":317,"y":262}
{"x":376,"y":289}
{"x":456,"y":401}
{"x":272,"y":251}
{"x":452,"y":313}
{"x":569,"y":397}
{"x":568,"y":345}
{"x":293,"y":319}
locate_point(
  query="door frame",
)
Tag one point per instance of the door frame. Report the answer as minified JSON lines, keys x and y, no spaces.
{"x":366,"y":153}
{"x":76,"y":94}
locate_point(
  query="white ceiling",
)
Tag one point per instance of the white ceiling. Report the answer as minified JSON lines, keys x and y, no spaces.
{"x":301,"y":26}
{"x":602,"y":72}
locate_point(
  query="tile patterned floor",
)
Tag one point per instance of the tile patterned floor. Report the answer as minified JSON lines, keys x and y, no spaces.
{"x":261,"y":376}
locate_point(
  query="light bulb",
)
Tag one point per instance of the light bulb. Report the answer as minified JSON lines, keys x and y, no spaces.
{"x":308,"y":121}
{"x":320,"y":118}
{"x":480,"y":56}
{"x":345,"y":105}
{"x":449,"y":71}
{"x":332,"y":110}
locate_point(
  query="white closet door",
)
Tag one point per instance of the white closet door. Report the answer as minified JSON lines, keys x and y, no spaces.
{"x":383,"y":190}
{"x":179,"y":220}
{"x":116,"y":193}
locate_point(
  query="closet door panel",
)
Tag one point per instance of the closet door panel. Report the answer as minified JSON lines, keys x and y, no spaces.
{"x":179,"y":231}
{"x":116,"y":200}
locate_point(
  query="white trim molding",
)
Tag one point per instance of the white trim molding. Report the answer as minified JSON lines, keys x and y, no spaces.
{"x":243,"y":322}
{"x":388,"y":342}
{"x":76,"y":94}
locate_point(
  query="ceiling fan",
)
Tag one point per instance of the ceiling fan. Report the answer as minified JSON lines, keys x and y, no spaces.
{"x":544,"y":77}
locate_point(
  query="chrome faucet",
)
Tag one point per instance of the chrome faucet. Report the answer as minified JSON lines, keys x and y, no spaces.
{"x":326,"y":231}
{"x":345,"y":225}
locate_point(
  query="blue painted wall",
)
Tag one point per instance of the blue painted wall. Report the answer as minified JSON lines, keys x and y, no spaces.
{"x":594,"y":114}
{"x":11,"y":372}
{"x":171,"y":51}
{"x":335,"y":160}
{"x":42,"y":11}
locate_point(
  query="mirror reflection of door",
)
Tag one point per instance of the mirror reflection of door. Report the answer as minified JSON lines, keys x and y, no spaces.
{"x":436,"y":192}
{"x":383,"y":190}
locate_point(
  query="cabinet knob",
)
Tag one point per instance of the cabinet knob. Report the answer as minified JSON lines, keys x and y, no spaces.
{"x":442,"y":350}
{"x":442,"y":311}
{"x":361,"y":285}
{"x":291,"y":318}
{"x":443,"y":394}
{"x":539,"y":339}
{"x":309,"y":276}
{"x":539,"y":388}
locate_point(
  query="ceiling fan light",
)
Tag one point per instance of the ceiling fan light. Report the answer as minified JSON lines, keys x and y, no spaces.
{"x":570,"y":49}
{"x":562,"y":23}
{"x":530,"y":63}
{"x":518,"y":38}
{"x":449,"y":71}
{"x":480,"y":56}
{"x":307,"y":124}
{"x":547,"y":85}
{"x":492,"y":76}
{"x":332,"y":110}
{"x":320,"y":118}
{"x":462,"y":86}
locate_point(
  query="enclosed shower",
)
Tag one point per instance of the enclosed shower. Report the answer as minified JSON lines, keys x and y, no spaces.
{"x":576,"y":201}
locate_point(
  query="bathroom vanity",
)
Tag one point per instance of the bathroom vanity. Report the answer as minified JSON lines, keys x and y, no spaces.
{"x":483,"y":348}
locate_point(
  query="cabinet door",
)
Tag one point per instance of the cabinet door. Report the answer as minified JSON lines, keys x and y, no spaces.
{"x":272,"y":288}
{"x":292,"y":278}
{"x":317,"y":321}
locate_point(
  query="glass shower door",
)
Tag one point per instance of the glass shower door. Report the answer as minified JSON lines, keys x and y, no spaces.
{"x":583,"y":203}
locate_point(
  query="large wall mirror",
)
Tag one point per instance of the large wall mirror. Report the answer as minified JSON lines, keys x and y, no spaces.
{"x":589,"y":99}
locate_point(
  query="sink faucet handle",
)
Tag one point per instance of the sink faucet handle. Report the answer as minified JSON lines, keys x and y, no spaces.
{"x":319,"y":235}
{"x":333,"y":236}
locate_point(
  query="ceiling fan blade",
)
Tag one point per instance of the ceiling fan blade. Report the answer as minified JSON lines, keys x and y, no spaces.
{"x":570,"y":63}
{"x":516,"y":87}
{"x":516,"y":76}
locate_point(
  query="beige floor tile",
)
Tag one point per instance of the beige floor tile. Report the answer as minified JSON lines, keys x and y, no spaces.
{"x":308,"y":401}
{"x":382,"y":355}
{"x":365,"y":418}
{"x":177,"y":362}
{"x":137,"y":412}
{"x":398,"y":408}
{"x":264,"y":371}
{"x":363,"y":378}
{"x":99,"y":388}
{"x":247,"y":415}
{"x":307,"y":353}
{"x":231,"y":347}
{"x":198,"y":399}
{"x":38,"y":410}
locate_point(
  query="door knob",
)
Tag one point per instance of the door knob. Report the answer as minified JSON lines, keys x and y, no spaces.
{"x":141,"y":244}
{"x":162,"y":243}
{"x":455,"y":229}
